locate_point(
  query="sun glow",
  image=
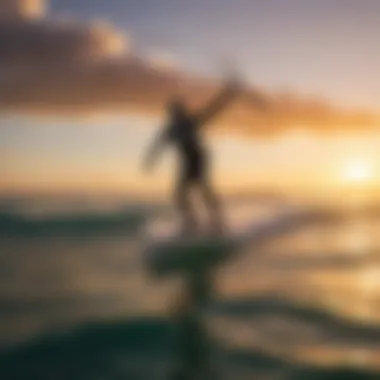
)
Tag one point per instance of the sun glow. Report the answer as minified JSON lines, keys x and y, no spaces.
{"x":359,"y":171}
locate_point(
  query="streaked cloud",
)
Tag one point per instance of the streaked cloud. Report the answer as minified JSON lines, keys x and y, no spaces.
{"x":50,"y":66}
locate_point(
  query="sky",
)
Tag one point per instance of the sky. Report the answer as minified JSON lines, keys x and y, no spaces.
{"x":326,"y":47}
{"x":318,"y":60}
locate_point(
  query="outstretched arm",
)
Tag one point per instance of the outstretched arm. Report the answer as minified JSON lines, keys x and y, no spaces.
{"x":218,"y":103}
{"x":154,"y":150}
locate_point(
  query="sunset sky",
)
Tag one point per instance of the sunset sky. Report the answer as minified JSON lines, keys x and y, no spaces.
{"x":82,"y":83}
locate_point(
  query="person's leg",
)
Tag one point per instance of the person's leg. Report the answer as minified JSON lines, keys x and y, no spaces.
{"x":201,"y":178}
{"x":212,"y":204}
{"x":183,"y":202}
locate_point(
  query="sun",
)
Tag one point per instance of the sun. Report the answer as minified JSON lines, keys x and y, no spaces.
{"x":358,"y":171}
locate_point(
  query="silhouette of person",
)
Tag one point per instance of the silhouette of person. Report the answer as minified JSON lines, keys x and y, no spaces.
{"x":183,"y":131}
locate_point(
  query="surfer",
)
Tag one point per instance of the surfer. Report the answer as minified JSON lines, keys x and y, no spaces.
{"x":183,"y":131}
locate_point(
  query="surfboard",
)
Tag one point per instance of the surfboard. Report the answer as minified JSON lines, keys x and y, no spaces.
{"x":168,"y":252}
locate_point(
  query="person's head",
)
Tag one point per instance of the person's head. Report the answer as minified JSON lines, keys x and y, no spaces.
{"x":176,"y":108}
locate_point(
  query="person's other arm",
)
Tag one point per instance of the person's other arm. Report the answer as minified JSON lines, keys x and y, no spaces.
{"x":218,"y":103}
{"x":233,"y":88}
{"x":154,"y":150}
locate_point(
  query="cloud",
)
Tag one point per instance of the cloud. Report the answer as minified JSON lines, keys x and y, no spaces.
{"x":60,"y":67}
{"x":34,"y":45}
{"x":162,"y":60}
{"x":22,"y":9}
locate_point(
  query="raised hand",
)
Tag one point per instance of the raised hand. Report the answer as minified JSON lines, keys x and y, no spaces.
{"x":233,"y":79}
{"x":237,"y":85}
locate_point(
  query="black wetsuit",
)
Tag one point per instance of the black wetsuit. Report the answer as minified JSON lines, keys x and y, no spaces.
{"x":183,"y":132}
{"x":184,"y":135}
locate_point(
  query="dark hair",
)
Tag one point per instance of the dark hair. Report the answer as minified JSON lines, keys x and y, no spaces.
{"x":176,"y":105}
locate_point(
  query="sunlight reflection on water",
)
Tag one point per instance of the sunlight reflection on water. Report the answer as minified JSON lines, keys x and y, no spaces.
{"x":48,"y":284}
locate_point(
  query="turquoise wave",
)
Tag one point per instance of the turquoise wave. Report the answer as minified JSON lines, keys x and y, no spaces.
{"x":12,"y":224}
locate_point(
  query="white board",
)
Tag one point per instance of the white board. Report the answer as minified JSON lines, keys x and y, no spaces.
{"x":168,"y":253}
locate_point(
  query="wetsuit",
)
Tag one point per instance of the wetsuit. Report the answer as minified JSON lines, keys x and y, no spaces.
{"x":183,"y":132}
{"x":184,"y":135}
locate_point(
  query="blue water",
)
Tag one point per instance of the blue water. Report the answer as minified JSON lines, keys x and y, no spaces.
{"x":75,"y":296}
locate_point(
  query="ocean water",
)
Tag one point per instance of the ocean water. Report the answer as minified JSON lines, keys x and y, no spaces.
{"x":77,"y":301}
